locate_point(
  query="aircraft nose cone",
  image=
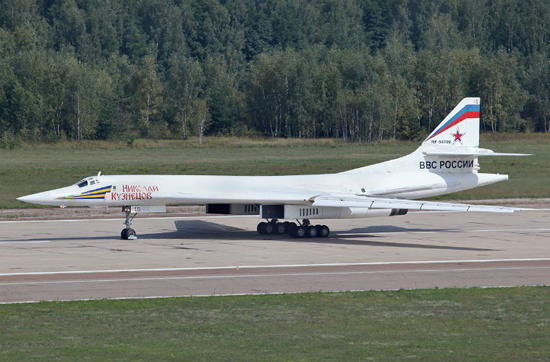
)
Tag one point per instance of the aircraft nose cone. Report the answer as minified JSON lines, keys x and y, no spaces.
{"x":25,"y":198}
{"x":41,"y":198}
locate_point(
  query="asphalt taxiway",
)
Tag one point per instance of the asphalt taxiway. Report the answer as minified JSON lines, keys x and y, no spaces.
{"x":210,"y":255}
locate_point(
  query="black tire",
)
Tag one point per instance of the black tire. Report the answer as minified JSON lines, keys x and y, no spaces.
{"x":322,"y":231}
{"x":124,"y":234}
{"x":311,"y":232}
{"x":299,"y":232}
{"x":262,"y":228}
{"x":292,"y":229}
{"x":288,"y":226}
{"x":131,"y":232}
{"x":280,"y":228}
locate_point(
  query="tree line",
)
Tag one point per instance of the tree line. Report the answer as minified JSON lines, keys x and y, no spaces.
{"x":360,"y":70}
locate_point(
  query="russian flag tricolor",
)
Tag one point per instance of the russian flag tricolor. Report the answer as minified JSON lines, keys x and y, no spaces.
{"x":465,"y":115}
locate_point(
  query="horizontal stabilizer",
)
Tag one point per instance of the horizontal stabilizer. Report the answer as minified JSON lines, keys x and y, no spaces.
{"x":465,"y":151}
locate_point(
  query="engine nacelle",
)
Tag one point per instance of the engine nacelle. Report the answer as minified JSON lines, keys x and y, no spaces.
{"x":300,"y":212}
{"x":310,"y":212}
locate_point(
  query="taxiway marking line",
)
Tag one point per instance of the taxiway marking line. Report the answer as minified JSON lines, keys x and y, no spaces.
{"x":271,"y":275}
{"x":426,"y":262}
{"x":25,"y":242}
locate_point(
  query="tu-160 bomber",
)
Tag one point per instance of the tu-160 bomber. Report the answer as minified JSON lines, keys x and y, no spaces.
{"x":446,"y":162}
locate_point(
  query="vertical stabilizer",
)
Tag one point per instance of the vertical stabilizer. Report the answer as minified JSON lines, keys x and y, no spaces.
{"x":459,"y":128}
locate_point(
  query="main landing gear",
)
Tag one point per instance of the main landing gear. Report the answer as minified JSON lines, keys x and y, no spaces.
{"x":303,"y":230}
{"x":128,"y":233}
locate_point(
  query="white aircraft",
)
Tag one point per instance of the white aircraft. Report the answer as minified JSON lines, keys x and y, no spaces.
{"x":446,"y":162}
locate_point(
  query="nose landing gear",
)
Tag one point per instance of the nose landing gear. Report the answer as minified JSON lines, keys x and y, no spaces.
{"x":300,"y":230}
{"x":128,"y":233}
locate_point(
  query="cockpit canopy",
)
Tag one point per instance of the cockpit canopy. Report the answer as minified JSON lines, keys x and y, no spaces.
{"x":87,"y":181}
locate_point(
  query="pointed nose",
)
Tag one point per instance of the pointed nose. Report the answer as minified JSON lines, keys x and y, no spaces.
{"x":41,"y":198}
{"x":27,"y":198}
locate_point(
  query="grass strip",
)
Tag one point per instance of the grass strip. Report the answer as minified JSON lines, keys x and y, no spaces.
{"x":494,"y":324}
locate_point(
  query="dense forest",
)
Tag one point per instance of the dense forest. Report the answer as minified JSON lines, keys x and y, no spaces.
{"x":360,"y":70}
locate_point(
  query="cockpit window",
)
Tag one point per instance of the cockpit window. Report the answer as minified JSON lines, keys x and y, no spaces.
{"x":87,"y":181}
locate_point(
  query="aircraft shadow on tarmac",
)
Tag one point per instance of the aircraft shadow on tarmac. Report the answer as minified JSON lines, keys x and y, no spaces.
{"x":199,"y":229}
{"x":346,"y":240}
{"x":394,"y":229}
{"x":205,"y":230}
{"x":204,"y":227}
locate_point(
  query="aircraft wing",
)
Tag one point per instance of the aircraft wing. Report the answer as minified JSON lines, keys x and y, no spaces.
{"x":389,"y":203}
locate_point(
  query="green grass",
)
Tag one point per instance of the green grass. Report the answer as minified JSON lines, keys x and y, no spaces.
{"x":510,"y":324}
{"x":42,"y":167}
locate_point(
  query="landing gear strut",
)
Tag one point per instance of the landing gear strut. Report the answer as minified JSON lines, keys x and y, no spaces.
{"x":128,"y":233}
{"x":300,"y":230}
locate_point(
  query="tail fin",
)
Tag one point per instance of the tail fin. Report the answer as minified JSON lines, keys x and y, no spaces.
{"x":459,"y":128}
{"x":453,"y":147}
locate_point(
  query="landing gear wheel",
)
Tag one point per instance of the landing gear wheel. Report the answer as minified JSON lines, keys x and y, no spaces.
{"x":280,"y":228}
{"x":322,"y":231}
{"x":311,"y":232}
{"x":265,"y":228}
{"x":131,"y":234}
{"x":269,"y":228}
{"x":128,"y":234}
{"x":261,"y":228}
{"x":291,"y":228}
{"x":299,"y":232}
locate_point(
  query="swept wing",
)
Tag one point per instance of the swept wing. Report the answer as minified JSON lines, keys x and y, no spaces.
{"x":388,"y":203}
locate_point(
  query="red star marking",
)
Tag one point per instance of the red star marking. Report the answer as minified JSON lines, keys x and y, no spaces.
{"x":457,"y":136}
